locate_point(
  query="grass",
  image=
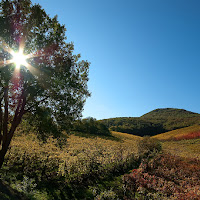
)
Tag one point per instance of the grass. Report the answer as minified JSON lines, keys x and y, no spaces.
{"x":86,"y":167}
{"x":126,"y":138}
{"x":183,"y":148}
{"x":45,"y":170}
{"x":177,"y":133}
{"x":184,"y":142}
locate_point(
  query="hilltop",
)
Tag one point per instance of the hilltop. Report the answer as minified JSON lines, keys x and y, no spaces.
{"x":163,"y":113}
{"x":154,"y":122}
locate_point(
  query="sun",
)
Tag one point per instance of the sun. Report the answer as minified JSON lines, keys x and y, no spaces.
{"x":19,"y":59}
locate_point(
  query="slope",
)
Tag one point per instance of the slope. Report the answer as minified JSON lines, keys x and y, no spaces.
{"x":153,"y":123}
{"x":180,"y":134}
{"x":184,"y":142}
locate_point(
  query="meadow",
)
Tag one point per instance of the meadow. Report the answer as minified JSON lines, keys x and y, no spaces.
{"x":179,"y":133}
{"x":47,"y":171}
{"x":117,"y":166}
{"x":173,"y":173}
{"x":184,"y":142}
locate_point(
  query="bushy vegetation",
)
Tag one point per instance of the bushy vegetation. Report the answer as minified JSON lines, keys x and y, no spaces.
{"x":164,"y":177}
{"x":133,"y":125}
{"x":148,"y":147}
{"x":184,"y":148}
{"x":94,"y":167}
{"x":46,"y":171}
{"x":41,"y":124}
{"x":164,"y":113}
{"x":153,"y":123}
{"x":191,"y":132}
{"x":192,"y":135}
{"x":183,"y":142}
{"x":90,"y":126}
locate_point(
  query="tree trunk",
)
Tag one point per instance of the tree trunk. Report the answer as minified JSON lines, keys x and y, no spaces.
{"x":8,"y":139}
{"x":7,"y":135}
{"x":6,"y":143}
{"x":1,"y":123}
{"x":3,"y":152}
{"x":5,"y":120}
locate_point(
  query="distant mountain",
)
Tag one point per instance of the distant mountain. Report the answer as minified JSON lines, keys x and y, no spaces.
{"x":155,"y":122}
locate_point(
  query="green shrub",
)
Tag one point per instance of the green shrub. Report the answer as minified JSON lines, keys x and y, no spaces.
{"x":149,"y":146}
{"x":90,"y":126}
{"x":107,"y":195}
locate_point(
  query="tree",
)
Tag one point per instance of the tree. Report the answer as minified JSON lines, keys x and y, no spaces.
{"x":38,"y":69}
{"x":90,"y":126}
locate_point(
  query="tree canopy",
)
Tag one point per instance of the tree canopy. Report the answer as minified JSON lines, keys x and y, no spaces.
{"x":90,"y":126}
{"x":50,"y":77}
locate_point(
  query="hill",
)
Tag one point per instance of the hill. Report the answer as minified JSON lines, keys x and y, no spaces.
{"x":153,"y":123}
{"x":179,"y":134}
{"x":184,"y":142}
{"x":164,"y":113}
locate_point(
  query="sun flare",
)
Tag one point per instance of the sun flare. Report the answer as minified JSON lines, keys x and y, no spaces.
{"x":19,"y":59}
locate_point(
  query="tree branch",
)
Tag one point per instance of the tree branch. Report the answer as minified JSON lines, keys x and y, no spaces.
{"x":34,"y":105}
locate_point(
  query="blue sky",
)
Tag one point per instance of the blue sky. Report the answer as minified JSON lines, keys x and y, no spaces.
{"x":144,"y":54}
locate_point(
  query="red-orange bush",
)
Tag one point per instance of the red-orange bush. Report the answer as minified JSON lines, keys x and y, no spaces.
{"x":192,"y":135}
{"x":168,"y":176}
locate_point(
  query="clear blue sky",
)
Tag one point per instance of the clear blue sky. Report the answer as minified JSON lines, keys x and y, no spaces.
{"x":144,"y":54}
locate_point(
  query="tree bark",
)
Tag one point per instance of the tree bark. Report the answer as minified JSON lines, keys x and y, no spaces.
{"x":5,"y":117}
{"x":1,"y":122}
{"x":7,"y":136}
{"x":5,"y":128}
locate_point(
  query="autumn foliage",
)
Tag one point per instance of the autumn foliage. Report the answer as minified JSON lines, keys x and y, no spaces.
{"x":79,"y":161}
{"x":165,"y":177}
{"x":192,"y":135}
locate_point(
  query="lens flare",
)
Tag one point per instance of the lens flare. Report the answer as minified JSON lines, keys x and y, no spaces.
{"x":19,"y":59}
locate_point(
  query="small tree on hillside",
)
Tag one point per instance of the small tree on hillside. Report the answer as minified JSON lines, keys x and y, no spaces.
{"x":38,"y":69}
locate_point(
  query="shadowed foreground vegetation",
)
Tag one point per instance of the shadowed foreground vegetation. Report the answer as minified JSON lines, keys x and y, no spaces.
{"x":47,"y":171}
{"x":6,"y":192}
{"x":96,"y":167}
{"x":95,"y":164}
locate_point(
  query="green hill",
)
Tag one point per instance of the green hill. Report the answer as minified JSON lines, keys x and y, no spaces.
{"x":155,"y":122}
{"x":164,"y":113}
